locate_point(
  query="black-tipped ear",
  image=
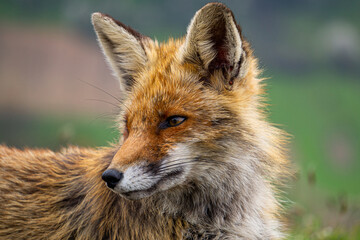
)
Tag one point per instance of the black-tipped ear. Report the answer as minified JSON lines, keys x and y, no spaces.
{"x":122,"y":46}
{"x":214,"y":41}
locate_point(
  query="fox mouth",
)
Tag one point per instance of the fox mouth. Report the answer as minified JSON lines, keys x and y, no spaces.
{"x":159,"y":185}
{"x":138,"y":194}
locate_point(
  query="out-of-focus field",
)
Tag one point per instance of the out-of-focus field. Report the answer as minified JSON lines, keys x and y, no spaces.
{"x":325,"y":147}
{"x":310,"y":51}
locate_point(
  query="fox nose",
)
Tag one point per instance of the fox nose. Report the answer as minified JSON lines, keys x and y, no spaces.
{"x":112,"y":177}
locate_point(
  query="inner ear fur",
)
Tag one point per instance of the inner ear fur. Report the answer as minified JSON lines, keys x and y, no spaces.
{"x":122,"y":46}
{"x":214,"y":41}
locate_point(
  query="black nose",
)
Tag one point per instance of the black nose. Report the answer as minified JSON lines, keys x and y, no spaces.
{"x":112,"y":177}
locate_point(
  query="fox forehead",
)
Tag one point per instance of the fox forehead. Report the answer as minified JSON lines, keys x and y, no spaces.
{"x":165,"y":87}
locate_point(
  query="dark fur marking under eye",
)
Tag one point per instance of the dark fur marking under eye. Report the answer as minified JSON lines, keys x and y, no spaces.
{"x":153,"y":167}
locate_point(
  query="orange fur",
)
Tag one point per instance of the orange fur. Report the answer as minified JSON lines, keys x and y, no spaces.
{"x":213,"y":174}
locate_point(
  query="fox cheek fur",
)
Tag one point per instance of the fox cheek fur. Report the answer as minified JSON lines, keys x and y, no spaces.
{"x":197,"y":160}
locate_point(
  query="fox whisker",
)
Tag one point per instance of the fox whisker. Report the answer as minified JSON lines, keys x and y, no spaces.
{"x":107,"y":93}
{"x":202,"y":161}
{"x":108,"y":116}
{"x":104,"y":101}
{"x":100,"y":89}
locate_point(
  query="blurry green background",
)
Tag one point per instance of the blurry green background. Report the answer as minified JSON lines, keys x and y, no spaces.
{"x":309,"y":49}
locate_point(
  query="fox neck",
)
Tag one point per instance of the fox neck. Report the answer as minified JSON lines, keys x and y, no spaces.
{"x":228,"y":204}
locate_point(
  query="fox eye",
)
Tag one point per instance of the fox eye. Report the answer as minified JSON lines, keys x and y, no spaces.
{"x":172,"y":121}
{"x":175,"y":120}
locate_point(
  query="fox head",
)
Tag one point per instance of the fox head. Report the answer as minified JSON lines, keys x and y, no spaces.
{"x":185,"y":102}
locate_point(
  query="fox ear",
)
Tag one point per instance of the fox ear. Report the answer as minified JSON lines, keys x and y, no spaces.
{"x":122,"y":46}
{"x":214,"y":41}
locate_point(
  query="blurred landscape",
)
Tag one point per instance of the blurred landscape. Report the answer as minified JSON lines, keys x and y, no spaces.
{"x":309,"y":50}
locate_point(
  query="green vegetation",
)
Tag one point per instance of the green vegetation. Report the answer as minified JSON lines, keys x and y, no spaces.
{"x":55,"y":131}
{"x":321,"y":113}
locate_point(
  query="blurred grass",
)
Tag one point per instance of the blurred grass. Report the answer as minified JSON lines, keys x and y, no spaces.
{"x":321,"y":112}
{"x":43,"y":131}
{"x":318,"y":110}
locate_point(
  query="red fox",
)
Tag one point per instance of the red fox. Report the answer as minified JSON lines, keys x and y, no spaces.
{"x":197,"y":158}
